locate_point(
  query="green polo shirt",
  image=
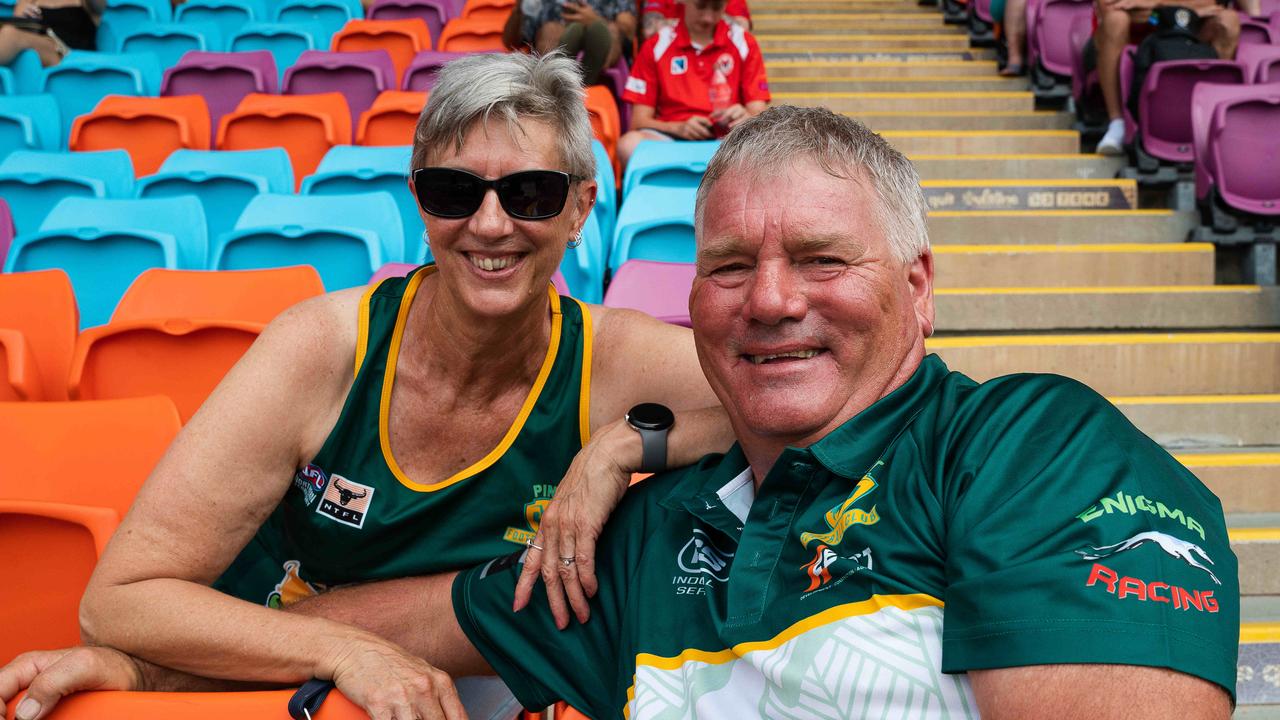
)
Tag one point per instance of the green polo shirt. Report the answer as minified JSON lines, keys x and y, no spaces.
{"x":950,"y":526}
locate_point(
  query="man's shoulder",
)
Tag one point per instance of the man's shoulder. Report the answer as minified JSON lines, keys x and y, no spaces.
{"x":1012,"y":395}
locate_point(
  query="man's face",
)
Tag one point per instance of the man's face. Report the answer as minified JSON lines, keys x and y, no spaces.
{"x":702,"y":16}
{"x":801,"y":315}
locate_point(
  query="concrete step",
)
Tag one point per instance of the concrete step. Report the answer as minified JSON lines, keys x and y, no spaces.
{"x":851,"y":42}
{"x":1127,"y":264}
{"x":1008,"y":120}
{"x":1184,"y":307}
{"x":1016,"y":194}
{"x":793,"y":69}
{"x":883,"y":55}
{"x":934,"y":83}
{"x":1195,"y":422}
{"x":819,"y":23}
{"x":1008,"y":166}
{"x":1258,"y":549}
{"x":1058,"y":227}
{"x":1126,"y":363}
{"x":1258,"y":672}
{"x":909,"y":102}
{"x":984,"y":142}
{"x":1245,"y":481}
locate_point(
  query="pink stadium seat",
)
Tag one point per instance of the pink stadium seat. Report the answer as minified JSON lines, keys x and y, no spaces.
{"x":1049,"y":23}
{"x":1243,"y":147}
{"x":421,"y":74}
{"x":1262,"y":61}
{"x":359,"y":76}
{"x":223,"y":79}
{"x":657,"y":288}
{"x":6,"y":230}
{"x":1253,"y":31}
{"x":1164,"y":107}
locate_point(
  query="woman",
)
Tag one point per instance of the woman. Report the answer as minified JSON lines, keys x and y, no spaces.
{"x":51,"y":28}
{"x":599,"y":29}
{"x":405,"y":430}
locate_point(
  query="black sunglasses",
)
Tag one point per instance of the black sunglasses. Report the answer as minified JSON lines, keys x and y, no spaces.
{"x":528,"y":195}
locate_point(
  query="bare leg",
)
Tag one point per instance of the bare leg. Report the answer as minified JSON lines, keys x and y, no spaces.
{"x":14,"y":41}
{"x":1222,"y":31}
{"x":1015,"y":30}
{"x":1110,"y":38}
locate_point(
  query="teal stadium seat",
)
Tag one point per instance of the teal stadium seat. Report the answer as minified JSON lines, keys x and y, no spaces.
{"x":655,"y":223}
{"x":34,"y":181}
{"x":83,"y":78}
{"x":22,"y":75}
{"x":607,"y":194}
{"x":169,"y":41}
{"x":330,"y":14}
{"x":286,"y":41}
{"x":229,"y":15}
{"x":348,"y":169}
{"x":28,"y":122}
{"x":668,"y":164}
{"x":124,"y":16}
{"x":344,"y":237}
{"x":224,"y":181}
{"x":583,"y":267}
{"x":103,"y":244}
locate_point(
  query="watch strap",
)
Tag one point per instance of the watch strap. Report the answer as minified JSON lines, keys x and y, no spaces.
{"x":653,"y":445}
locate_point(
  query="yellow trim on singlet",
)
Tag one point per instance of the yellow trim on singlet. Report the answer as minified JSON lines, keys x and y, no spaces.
{"x":584,"y":392}
{"x":362,"y":326}
{"x":388,"y":381}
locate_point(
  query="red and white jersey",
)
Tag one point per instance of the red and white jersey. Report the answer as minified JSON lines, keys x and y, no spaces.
{"x":673,"y":10}
{"x":674,"y":78}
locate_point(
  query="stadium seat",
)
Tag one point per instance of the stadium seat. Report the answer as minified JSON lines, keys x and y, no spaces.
{"x":349,"y":169}
{"x":306,"y":126}
{"x":6,"y":229}
{"x":285,"y":41}
{"x":149,"y":129}
{"x":34,"y":181}
{"x":606,"y":209}
{"x":668,"y":164}
{"x":1051,"y":45}
{"x":248,"y":295}
{"x":104,"y":244}
{"x":228,"y":15}
{"x":492,"y":11}
{"x":29,"y":122}
{"x":329,"y":14}
{"x":467,"y":35}
{"x":122,"y":17}
{"x":42,"y":307}
{"x":421,"y":74}
{"x":605,"y":122}
{"x":170,"y":41}
{"x":615,"y":78}
{"x":1256,"y":32}
{"x":435,"y":13}
{"x":1164,"y":107}
{"x":84,"y":78}
{"x":344,"y":237}
{"x":223,"y":181}
{"x":657,"y":288}
{"x":401,"y":39}
{"x":359,"y":76}
{"x":1242,"y":148}
{"x":24,"y":74}
{"x":19,"y":374}
{"x":582,"y":268}
{"x":392,"y":118}
{"x":1262,"y":62}
{"x":192,"y":706}
{"x":222,"y":79}
{"x":655,"y":223}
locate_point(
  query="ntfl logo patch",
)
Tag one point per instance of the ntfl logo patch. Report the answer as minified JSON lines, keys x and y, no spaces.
{"x":345,"y":501}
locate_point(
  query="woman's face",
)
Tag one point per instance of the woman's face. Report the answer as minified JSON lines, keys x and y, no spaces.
{"x":492,"y":262}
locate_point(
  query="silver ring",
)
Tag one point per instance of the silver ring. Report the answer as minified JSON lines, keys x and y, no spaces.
{"x":567,"y":561}
{"x":532,"y":544}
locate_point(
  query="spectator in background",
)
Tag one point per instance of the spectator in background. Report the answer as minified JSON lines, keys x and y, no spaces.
{"x":694,"y":81}
{"x":1013,"y":14}
{"x":658,"y":14}
{"x":1121,"y":22}
{"x":52,"y":28}
{"x":596,"y":28}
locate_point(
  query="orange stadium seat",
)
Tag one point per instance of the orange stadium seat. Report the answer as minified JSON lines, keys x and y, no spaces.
{"x":191,"y":706}
{"x":21,"y":379}
{"x":306,"y":126}
{"x":402,"y":39}
{"x":41,"y":307}
{"x":392,"y":119}
{"x":602,"y":109}
{"x":149,"y":128}
{"x":472,"y":35}
{"x":493,"y":11}
{"x":251,"y":295}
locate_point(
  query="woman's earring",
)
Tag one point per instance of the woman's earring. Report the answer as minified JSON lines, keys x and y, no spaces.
{"x":576,"y":241}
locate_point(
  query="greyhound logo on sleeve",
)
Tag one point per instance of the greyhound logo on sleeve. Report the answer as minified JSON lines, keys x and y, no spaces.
{"x":345,"y":501}
{"x":1152,"y":590}
{"x":1190,"y":553}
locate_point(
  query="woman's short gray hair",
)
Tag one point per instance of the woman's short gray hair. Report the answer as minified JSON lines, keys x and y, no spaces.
{"x":844,"y":148}
{"x":513,"y":87}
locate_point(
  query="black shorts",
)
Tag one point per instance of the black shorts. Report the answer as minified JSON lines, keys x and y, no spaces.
{"x":73,"y":26}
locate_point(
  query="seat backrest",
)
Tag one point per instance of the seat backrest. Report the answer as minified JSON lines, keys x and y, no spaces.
{"x":285,"y":41}
{"x":468,"y":35}
{"x":83,"y":78}
{"x":34,"y":181}
{"x":223,"y":182}
{"x":1055,"y":18}
{"x":1255,"y":32}
{"x":306,"y":126}
{"x":246,"y":295}
{"x":421,"y":74}
{"x":222,"y":79}
{"x":391,"y":119}
{"x":33,"y":121}
{"x":656,"y":288}
{"x":348,"y":169}
{"x":1243,"y":145}
{"x":668,"y":164}
{"x":228,"y":15}
{"x":435,"y":13}
{"x":602,"y":110}
{"x":149,"y":129}
{"x":169,"y":41}
{"x":391,"y":270}
{"x":359,"y":76}
{"x":42,"y":306}
{"x":329,"y":14}
{"x":488,"y":10}
{"x":656,"y":223}
{"x":1258,"y":59}
{"x":401,"y":39}
{"x":1164,"y":114}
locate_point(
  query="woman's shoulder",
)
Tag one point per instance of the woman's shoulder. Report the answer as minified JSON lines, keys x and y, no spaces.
{"x":317,"y":333}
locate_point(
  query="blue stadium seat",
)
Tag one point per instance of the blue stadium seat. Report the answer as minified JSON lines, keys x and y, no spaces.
{"x":348,"y":169}
{"x":83,"y":78}
{"x":583,"y":267}
{"x":606,"y":210}
{"x":330,"y":14}
{"x":22,"y":75}
{"x":286,"y":41}
{"x":124,"y":16}
{"x":223,"y":181}
{"x":344,"y":237}
{"x":33,"y":181}
{"x":28,"y":122}
{"x":229,"y":15}
{"x":103,"y":244}
{"x":655,"y":223}
{"x":668,"y":164}
{"x":170,"y":41}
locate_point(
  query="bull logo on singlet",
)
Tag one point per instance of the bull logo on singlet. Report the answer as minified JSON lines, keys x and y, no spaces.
{"x":839,"y":519}
{"x":533,"y":510}
{"x":346,"y":501}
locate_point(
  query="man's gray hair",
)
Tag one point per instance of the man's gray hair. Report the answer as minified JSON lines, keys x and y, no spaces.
{"x":844,"y":148}
{"x":514,"y":87}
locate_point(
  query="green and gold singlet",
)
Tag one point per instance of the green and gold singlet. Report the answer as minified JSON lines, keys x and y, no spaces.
{"x":351,"y":515}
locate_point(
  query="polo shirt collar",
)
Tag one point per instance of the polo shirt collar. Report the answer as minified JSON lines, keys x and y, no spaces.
{"x":719,"y":38}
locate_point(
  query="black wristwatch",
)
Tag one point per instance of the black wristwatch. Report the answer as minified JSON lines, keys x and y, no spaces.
{"x":652,"y":421}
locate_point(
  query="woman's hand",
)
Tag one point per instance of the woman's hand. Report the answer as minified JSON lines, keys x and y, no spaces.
{"x":563,"y":551}
{"x":390,"y":684}
{"x":26,"y":9}
{"x":50,"y":675}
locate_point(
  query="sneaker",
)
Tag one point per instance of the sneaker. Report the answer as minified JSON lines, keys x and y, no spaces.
{"x":1113,"y":142}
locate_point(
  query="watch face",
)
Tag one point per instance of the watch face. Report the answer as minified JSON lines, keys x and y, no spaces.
{"x":651,"y":416}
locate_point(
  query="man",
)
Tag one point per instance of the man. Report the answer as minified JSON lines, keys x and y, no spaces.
{"x":886,"y":539}
{"x":1121,"y":22}
{"x":694,"y":81}
{"x":658,"y":14}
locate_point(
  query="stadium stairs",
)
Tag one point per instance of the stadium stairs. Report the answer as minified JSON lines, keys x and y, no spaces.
{"x":1046,"y":262}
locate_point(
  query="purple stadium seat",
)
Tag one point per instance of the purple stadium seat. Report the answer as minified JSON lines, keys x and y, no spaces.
{"x":359,"y":76}
{"x":658,"y":288}
{"x":1262,"y":62}
{"x":1275,"y":21}
{"x":6,"y":230}
{"x":615,"y":78}
{"x":1164,"y":107}
{"x":223,"y":79}
{"x":1126,"y":88}
{"x":1242,"y":148}
{"x":1257,"y":32}
{"x":1049,"y":32}
{"x":1269,"y":7}
{"x":402,"y":269}
{"x":435,"y":13}
{"x":421,"y":74}
{"x":982,"y":8}
{"x":1204,"y":97}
